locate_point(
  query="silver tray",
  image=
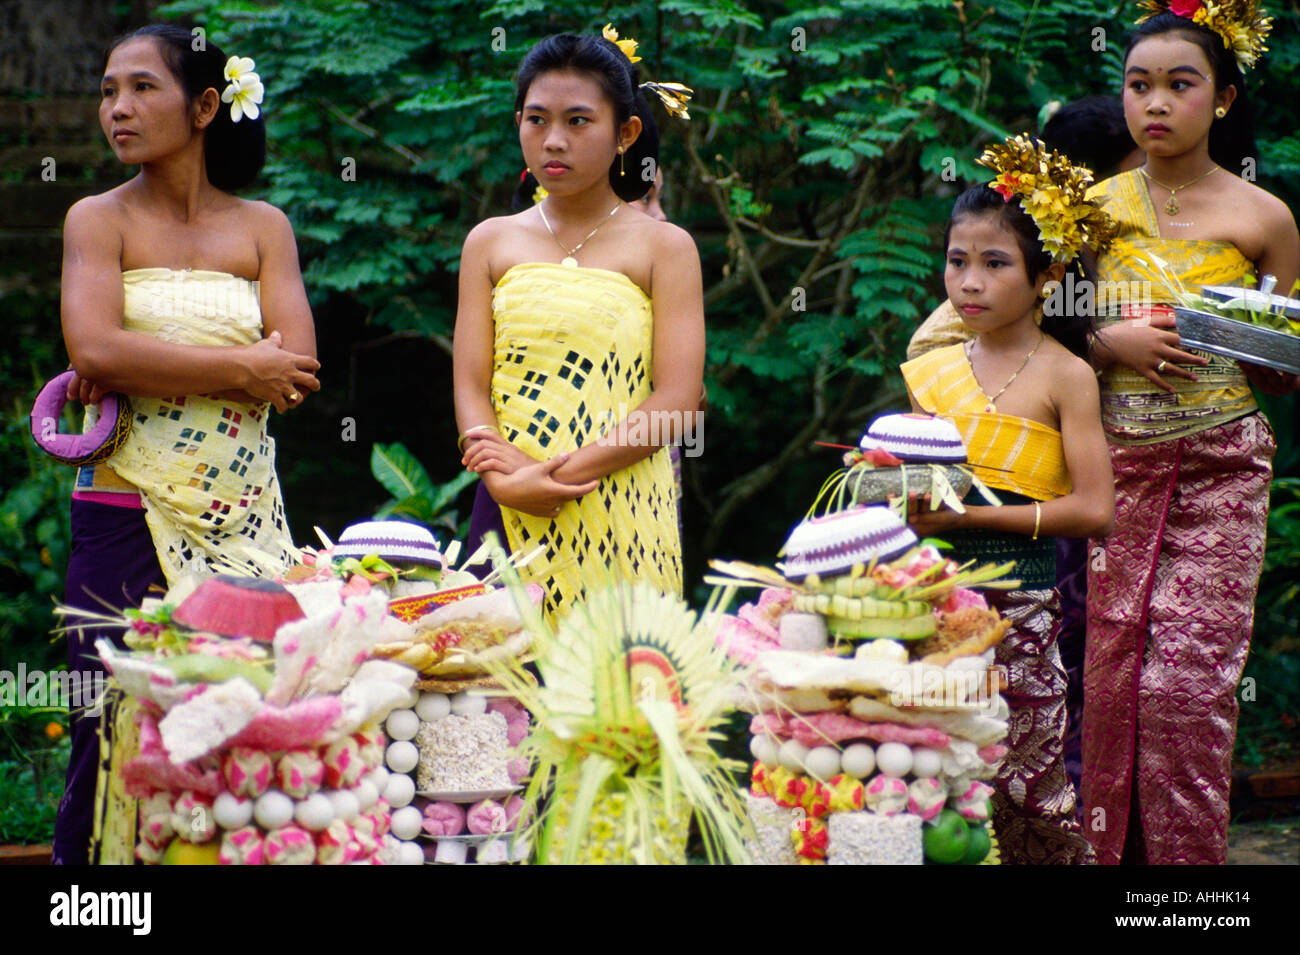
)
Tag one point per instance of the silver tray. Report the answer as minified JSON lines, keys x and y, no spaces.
{"x":1253,"y":298}
{"x":1239,"y":340}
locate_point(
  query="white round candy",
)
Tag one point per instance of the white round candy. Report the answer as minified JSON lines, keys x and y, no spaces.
{"x":314,"y":813}
{"x":378,"y":777}
{"x":366,"y":793}
{"x":926,"y":763}
{"x":764,"y":749}
{"x":465,"y":703}
{"x":412,"y":697}
{"x":231,"y":812}
{"x":402,"y":756}
{"x":823,"y":762}
{"x":410,"y":853}
{"x":894,"y":759}
{"x":858,"y":760}
{"x":791,"y":755}
{"x":433,"y":707}
{"x":406,"y":823}
{"x":402,"y":724}
{"x":400,"y":790}
{"x":346,"y":806}
{"x":273,"y":809}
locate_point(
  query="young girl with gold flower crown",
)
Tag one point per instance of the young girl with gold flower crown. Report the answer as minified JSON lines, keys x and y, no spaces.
{"x":579,"y":346}
{"x":1171,"y":589}
{"x":1027,"y":408}
{"x":189,"y":301}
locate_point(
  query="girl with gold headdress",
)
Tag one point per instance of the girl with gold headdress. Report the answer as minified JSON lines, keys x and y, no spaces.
{"x":1026,"y":404}
{"x":1171,"y":589}
{"x":579,"y":347}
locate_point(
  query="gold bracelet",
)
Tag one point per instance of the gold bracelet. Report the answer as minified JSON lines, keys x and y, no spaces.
{"x":1038,"y":516}
{"x":460,"y":442}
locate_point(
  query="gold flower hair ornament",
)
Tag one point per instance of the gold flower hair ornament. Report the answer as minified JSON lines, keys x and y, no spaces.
{"x":1241,"y":24}
{"x":1054,"y":193}
{"x":244,"y":94}
{"x":674,"y":96}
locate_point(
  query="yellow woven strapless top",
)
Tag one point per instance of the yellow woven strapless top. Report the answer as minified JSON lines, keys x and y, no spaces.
{"x":1005,"y":451}
{"x":205,"y":467}
{"x":573,"y":356}
{"x":1141,"y":262}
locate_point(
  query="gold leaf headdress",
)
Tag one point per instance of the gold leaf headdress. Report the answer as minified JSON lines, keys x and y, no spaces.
{"x":1054,"y":193}
{"x":1241,"y":24}
{"x":674,"y":96}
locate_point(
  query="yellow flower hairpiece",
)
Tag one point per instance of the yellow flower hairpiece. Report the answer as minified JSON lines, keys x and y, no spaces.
{"x":1053,"y":191}
{"x":245,"y":92}
{"x":674,"y":96}
{"x":1241,"y":24}
{"x":628,"y":45}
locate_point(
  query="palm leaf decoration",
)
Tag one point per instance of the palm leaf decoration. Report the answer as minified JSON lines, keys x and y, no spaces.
{"x":632,"y":698}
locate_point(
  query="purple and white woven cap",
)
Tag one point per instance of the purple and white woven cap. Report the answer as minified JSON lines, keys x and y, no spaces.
{"x":398,"y":542}
{"x":833,"y":544}
{"x":916,"y":437}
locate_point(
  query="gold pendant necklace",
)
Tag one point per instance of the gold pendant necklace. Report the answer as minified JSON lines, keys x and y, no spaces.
{"x":1172,"y":206}
{"x":991,"y":407}
{"x":569,"y":261}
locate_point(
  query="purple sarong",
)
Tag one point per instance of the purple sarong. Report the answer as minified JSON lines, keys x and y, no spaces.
{"x":112,"y":559}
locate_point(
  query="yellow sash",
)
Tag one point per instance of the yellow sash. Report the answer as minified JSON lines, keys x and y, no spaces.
{"x":1007,"y":452}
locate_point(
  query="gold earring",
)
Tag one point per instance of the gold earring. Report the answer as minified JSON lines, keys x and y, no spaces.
{"x":1220,"y":112}
{"x":620,"y":161}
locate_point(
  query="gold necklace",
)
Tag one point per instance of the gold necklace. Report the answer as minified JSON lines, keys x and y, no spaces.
{"x":990,"y":408}
{"x":1172,"y":206}
{"x":569,"y":260}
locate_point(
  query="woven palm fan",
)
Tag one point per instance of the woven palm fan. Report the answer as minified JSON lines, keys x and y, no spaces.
{"x":633,"y":694}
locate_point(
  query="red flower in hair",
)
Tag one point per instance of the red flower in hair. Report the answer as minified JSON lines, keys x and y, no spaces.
{"x":1184,"y":8}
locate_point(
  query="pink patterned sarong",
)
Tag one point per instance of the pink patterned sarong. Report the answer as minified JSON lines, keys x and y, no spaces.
{"x":1033,"y":798}
{"x":1171,"y":596}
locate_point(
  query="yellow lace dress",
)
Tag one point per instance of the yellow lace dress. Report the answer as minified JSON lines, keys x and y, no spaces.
{"x":573,"y":356}
{"x":205,"y":467}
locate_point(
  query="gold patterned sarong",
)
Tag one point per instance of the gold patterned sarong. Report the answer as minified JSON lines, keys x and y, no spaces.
{"x":573,"y":356}
{"x":1140,"y":268}
{"x":205,"y":467}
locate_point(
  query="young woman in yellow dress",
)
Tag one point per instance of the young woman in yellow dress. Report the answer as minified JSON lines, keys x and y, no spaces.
{"x":579,"y":345}
{"x":189,"y":301}
{"x":1171,"y":590}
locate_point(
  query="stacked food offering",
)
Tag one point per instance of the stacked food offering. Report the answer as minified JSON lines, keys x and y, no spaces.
{"x":455,"y":777}
{"x":257,"y":715}
{"x":258,"y":711}
{"x":877,"y":713}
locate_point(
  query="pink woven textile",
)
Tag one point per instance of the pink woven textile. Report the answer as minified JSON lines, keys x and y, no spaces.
{"x":1034,"y":802}
{"x":1171,"y":596}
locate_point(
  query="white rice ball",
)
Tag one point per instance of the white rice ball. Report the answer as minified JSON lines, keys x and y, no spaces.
{"x":400,"y":790}
{"x":402,"y":756}
{"x":791,"y":755}
{"x":231,"y":812}
{"x":273,"y":809}
{"x":433,"y":707}
{"x":402,"y":724}
{"x":858,"y":760}
{"x":406,"y":823}
{"x":314,"y":813}
{"x":466,"y":703}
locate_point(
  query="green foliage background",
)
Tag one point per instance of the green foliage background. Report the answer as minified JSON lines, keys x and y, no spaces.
{"x":811,"y":176}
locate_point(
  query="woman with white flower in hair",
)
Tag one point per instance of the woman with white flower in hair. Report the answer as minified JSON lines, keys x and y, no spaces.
{"x":189,"y":301}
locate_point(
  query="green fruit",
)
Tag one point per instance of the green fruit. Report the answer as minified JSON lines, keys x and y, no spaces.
{"x":893,"y":628}
{"x":947,"y":838}
{"x":206,"y":668}
{"x":979,"y":847}
{"x":181,"y":852}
